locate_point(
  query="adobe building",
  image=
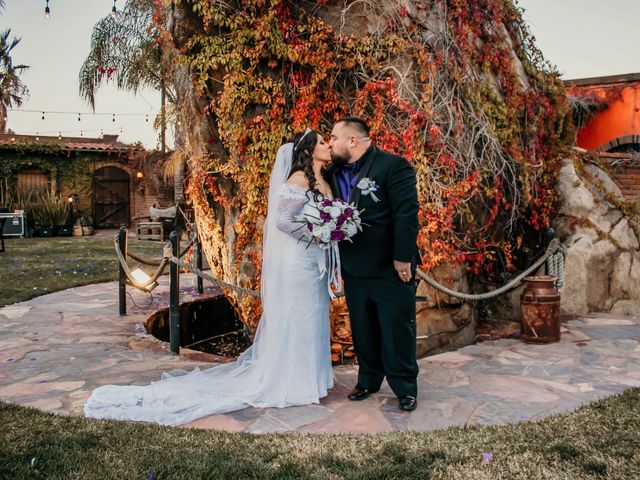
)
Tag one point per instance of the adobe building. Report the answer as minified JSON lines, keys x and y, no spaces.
{"x":607,"y":111}
{"x":114,"y":182}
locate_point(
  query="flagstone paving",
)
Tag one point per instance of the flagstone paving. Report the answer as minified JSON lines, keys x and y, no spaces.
{"x":56,"y":348}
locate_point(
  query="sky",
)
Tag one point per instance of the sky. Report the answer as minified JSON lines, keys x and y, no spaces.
{"x":55,"y":50}
{"x":583,"y":38}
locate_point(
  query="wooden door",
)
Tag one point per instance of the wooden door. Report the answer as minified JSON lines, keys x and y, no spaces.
{"x":111,"y":197}
{"x":33,"y":181}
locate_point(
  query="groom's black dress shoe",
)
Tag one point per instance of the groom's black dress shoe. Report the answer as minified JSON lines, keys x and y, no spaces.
{"x":408,"y":402}
{"x":360,"y":393}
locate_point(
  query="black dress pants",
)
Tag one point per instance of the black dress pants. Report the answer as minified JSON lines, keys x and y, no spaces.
{"x":383,"y":324}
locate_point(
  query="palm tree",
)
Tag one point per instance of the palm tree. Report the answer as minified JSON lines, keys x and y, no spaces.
{"x":124,"y":50}
{"x":12,"y":90}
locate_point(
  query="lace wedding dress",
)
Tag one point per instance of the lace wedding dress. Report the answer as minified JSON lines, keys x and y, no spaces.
{"x":289,"y":362}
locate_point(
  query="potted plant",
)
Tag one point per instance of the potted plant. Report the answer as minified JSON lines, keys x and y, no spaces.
{"x":83,"y":226}
{"x":43,"y":227}
{"x":54,"y":214}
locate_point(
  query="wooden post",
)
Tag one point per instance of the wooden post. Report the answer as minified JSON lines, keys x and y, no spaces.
{"x":174,"y":296}
{"x":122,"y":276}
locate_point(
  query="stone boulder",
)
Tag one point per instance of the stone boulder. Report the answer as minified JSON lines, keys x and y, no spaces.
{"x":453,"y":276}
{"x":441,"y":330}
{"x":602,"y":265}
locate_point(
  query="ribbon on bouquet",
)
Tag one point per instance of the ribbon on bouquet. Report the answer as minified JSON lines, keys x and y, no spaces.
{"x":329,"y":262}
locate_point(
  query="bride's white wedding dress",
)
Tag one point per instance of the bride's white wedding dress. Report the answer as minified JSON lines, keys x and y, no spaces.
{"x":290,"y":360}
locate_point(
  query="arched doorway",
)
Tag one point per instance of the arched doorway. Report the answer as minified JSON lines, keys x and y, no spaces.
{"x":110,"y":197}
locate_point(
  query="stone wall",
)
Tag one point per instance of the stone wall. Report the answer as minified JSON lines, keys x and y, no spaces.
{"x":603,"y":260}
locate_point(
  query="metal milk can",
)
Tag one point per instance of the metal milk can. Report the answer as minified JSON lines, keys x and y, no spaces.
{"x":540,"y":310}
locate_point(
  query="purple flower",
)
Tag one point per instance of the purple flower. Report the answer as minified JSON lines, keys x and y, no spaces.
{"x":327,"y":203}
{"x":348,"y":211}
{"x":337,"y":235}
{"x":524,"y":417}
{"x":310,"y":227}
{"x":325,"y":217}
{"x":487,"y":457}
{"x":341,"y":219}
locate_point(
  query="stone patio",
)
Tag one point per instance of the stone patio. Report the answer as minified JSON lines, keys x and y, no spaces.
{"x":56,"y":348}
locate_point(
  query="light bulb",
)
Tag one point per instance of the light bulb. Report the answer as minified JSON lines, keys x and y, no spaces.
{"x":47,"y":12}
{"x":140,"y":276}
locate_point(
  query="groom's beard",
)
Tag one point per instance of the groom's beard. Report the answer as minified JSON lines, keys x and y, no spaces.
{"x":339,"y":160}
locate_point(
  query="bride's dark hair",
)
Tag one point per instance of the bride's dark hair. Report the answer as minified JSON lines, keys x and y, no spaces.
{"x":303,"y":147}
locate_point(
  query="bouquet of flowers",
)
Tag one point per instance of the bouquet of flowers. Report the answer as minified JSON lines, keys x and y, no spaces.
{"x":330,"y":220}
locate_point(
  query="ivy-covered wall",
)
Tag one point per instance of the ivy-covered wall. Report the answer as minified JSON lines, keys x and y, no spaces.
{"x":71,"y":172}
{"x":456,"y":86}
{"x":66,"y":173}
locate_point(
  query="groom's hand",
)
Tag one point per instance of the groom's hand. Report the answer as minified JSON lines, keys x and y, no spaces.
{"x":403,"y":269}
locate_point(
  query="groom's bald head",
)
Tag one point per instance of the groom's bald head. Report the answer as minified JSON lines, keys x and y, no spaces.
{"x":355,"y":124}
{"x":349,"y":140}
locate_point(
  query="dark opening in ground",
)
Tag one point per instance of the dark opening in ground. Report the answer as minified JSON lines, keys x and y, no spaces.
{"x":209,"y":325}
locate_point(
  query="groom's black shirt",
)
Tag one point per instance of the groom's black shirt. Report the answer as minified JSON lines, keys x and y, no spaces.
{"x":391,"y":222}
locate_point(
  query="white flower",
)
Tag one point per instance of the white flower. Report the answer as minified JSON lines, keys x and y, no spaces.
{"x":368,"y":186}
{"x":350,"y":229}
{"x":325,"y":233}
{"x":335,"y":212}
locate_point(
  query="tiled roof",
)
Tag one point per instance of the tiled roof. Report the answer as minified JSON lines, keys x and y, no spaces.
{"x":107,"y":144}
{"x":625,"y":78}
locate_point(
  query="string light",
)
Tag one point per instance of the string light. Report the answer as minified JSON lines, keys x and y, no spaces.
{"x":68,"y":112}
{"x":44,"y":113}
{"x":114,"y":10}
{"x":47,"y":11}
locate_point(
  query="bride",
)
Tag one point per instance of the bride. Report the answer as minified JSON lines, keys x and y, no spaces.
{"x":289,"y":362}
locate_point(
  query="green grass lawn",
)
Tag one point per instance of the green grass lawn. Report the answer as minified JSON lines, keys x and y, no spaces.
{"x":601,"y":440}
{"x":30,"y":267}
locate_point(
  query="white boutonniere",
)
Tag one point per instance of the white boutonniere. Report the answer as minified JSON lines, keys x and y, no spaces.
{"x":367,"y":186}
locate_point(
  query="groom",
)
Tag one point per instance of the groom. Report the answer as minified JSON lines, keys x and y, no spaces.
{"x":379,"y":266}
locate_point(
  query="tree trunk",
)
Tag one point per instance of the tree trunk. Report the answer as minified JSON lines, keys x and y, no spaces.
{"x":455,"y":86}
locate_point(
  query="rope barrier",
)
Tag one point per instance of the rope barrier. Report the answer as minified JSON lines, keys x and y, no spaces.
{"x":129,"y":274}
{"x":155,"y":264}
{"x":215,"y":281}
{"x":554,"y":256}
{"x":553,"y":246}
{"x":555,"y":266}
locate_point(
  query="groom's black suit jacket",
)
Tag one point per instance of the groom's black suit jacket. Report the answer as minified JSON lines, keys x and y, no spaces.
{"x":391,"y":226}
